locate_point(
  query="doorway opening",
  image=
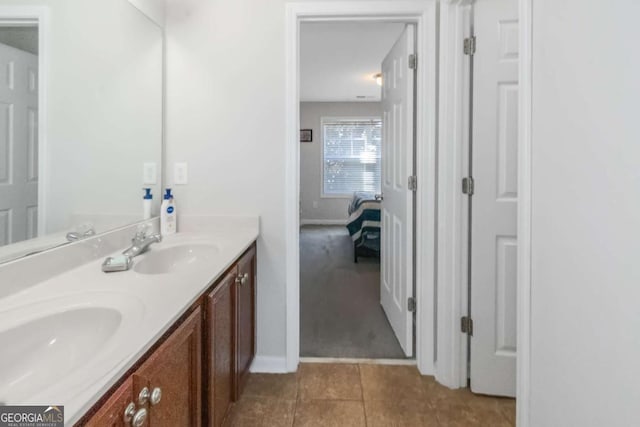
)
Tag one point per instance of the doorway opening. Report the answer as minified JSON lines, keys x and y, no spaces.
{"x":423,"y":15}
{"x":357,"y":151}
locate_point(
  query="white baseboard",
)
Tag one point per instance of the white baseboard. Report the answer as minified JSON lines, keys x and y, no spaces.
{"x":323,"y":222}
{"x":361,"y":361}
{"x":269,"y":365}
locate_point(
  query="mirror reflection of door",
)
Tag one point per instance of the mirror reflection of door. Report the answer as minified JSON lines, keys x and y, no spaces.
{"x":18,"y":133}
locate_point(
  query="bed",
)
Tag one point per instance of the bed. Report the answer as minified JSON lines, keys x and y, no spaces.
{"x":364,"y":225}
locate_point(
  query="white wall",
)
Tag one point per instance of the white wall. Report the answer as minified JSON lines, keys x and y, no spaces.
{"x":226,"y":117}
{"x":586,"y":214}
{"x":104,"y":99}
{"x":311,"y":113}
{"x":154,"y":9}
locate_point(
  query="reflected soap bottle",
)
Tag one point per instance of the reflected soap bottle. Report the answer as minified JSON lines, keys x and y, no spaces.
{"x":147,"y":201}
{"x":168,"y":223}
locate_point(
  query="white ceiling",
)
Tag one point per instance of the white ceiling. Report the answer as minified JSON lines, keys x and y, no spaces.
{"x":338,"y":59}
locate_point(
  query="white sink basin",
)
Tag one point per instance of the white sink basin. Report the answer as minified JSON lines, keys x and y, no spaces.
{"x":175,"y":258}
{"x":42,"y":350}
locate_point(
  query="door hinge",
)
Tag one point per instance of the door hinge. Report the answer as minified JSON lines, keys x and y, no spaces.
{"x":413,"y":183}
{"x":468,"y":185}
{"x":413,"y":61}
{"x":411,"y":304}
{"x":470,"y":45}
{"x":466,"y":325}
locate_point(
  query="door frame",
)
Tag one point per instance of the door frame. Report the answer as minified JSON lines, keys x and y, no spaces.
{"x":452,"y":246}
{"x":454,"y":127}
{"x":424,"y":15}
{"x":525,"y":206}
{"x":36,"y":16}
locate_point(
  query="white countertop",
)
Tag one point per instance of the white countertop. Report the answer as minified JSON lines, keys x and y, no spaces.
{"x":149,"y":304}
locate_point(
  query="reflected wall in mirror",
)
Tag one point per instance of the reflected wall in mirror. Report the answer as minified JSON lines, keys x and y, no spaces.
{"x":80,"y":118}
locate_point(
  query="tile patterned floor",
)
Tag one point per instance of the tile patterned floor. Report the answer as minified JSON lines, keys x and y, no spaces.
{"x":345,"y":395}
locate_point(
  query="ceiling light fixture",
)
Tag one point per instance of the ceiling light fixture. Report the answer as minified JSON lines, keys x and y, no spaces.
{"x":378,"y":78}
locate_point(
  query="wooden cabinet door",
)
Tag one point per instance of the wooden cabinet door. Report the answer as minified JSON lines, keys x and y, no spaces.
{"x":175,"y":367}
{"x":245,"y":318}
{"x":111,"y":414}
{"x":219,"y":354}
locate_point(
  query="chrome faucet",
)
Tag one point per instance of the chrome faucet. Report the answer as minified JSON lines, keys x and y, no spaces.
{"x":141,"y":242}
{"x":74,"y":236}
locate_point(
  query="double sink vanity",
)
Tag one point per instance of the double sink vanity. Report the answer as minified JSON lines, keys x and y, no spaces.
{"x":167,"y":343}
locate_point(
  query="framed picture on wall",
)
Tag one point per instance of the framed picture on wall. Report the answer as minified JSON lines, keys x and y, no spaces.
{"x":306,"y":135}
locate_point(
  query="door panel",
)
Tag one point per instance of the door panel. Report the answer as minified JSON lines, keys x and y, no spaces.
{"x":18,"y":145}
{"x":494,"y":203}
{"x":397,"y":206}
{"x":111,"y":414}
{"x":245,"y":318}
{"x":175,"y":368}
{"x":219,"y":350}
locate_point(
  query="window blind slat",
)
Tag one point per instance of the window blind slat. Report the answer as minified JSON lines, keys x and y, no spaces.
{"x":352,"y":156}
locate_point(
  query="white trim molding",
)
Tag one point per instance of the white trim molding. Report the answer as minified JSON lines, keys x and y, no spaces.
{"x":452,"y":245}
{"x":37,"y":16}
{"x":269,"y":365}
{"x":422,"y":13}
{"x":525,"y":205}
{"x":349,"y":360}
{"x":323,"y":222}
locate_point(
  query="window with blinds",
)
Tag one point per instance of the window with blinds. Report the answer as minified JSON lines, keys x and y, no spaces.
{"x":351,"y":155}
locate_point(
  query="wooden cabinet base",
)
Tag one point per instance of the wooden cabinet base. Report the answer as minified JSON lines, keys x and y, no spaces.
{"x":174,"y":371}
{"x":220,"y":309}
{"x":112,"y":413}
{"x":192,"y":374}
{"x":165,"y":389}
{"x":245,"y":319}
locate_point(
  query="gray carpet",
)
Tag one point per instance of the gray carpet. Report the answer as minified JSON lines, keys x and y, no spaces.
{"x":340,"y":312}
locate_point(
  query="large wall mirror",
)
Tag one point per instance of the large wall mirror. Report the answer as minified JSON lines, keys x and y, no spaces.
{"x":80,"y":118}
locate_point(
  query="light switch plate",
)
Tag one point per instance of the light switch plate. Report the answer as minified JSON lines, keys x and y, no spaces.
{"x":149,"y":173}
{"x":180,"y":174}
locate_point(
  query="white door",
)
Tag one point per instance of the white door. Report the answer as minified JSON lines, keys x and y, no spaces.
{"x":494,"y":203}
{"x":18,"y":145}
{"x":396,"y":250}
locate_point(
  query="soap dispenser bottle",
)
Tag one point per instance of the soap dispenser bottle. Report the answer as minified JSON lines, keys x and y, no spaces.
{"x":147,"y":201}
{"x":168,"y":214}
